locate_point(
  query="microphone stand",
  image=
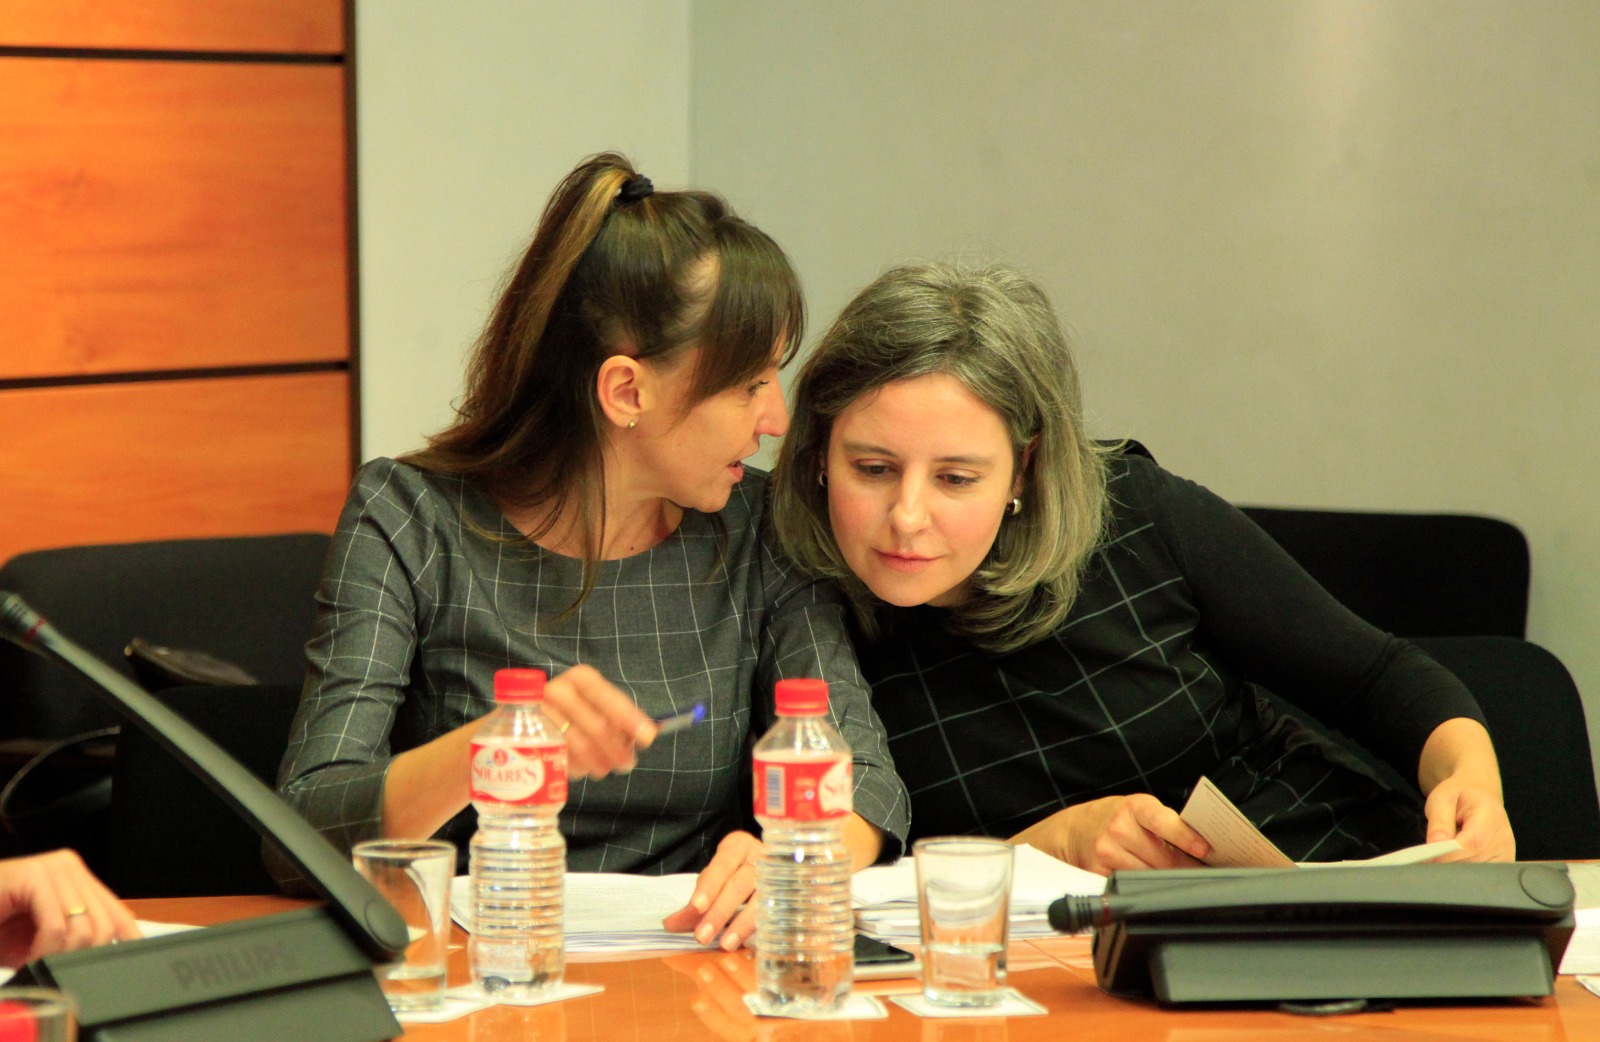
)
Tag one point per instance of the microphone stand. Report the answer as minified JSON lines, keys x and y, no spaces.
{"x":306,"y":973}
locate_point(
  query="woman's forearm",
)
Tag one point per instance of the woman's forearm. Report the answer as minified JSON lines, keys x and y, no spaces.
{"x":427,"y":786}
{"x":1459,"y":748}
{"x":865,"y":841}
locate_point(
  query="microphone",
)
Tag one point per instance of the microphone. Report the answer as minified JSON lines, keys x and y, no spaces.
{"x":1075,"y":913}
{"x":238,"y":964}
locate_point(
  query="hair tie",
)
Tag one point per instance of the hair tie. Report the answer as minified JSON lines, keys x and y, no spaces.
{"x":634,"y":188}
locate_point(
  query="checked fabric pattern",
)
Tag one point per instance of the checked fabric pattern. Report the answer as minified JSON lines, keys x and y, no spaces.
{"x":417,"y":610}
{"x":1152,"y":682}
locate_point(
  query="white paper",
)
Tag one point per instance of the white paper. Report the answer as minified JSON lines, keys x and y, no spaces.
{"x":1583,"y":950}
{"x":608,"y":911}
{"x":1236,"y":843}
{"x":886,"y":895}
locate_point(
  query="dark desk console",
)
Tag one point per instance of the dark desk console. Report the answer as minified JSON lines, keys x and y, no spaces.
{"x":1318,"y":934}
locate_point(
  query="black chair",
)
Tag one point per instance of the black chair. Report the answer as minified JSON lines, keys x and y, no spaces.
{"x":1414,"y":575}
{"x":1536,"y":719}
{"x":169,"y":835}
{"x":248,"y":601}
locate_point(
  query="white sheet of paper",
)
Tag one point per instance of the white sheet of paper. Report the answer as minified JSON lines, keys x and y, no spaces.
{"x":1236,"y":843}
{"x":608,"y":911}
{"x":886,"y":895}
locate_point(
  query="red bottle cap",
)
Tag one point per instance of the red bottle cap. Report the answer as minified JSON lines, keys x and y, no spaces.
{"x":802,"y":697}
{"x":519,"y":685}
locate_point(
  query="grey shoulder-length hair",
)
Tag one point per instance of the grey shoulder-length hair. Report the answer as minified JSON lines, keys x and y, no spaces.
{"x":994,"y":331}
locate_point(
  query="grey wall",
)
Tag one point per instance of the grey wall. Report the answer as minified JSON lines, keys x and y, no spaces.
{"x":468,"y":116}
{"x":1321,"y":252}
{"x":1314,"y":252}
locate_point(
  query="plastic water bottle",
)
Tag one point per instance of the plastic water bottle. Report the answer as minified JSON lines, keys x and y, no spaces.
{"x":519,"y":857}
{"x":805,"y":927}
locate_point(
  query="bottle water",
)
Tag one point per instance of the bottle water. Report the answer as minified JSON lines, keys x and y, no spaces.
{"x":519,"y":857}
{"x":805,"y":928}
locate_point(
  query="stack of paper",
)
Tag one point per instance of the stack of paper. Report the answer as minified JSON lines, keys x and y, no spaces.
{"x":608,"y":911}
{"x":886,"y":896}
{"x":614,"y":912}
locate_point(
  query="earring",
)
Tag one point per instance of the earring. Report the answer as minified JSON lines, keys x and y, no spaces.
{"x":822,"y":478}
{"x":633,"y":423}
{"x":1016,"y":506}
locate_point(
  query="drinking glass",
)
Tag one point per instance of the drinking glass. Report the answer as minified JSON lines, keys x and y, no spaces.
{"x":964,"y":899}
{"x":414,"y":876}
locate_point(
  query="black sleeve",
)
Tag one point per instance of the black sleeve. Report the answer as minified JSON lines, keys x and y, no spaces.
{"x":1267,"y":618}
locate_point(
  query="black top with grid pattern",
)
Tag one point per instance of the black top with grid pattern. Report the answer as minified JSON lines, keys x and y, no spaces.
{"x":417,"y":610}
{"x":1150,"y":683}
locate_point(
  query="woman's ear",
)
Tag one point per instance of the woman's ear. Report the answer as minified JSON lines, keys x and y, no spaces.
{"x":1022,"y":468}
{"x":625,"y":389}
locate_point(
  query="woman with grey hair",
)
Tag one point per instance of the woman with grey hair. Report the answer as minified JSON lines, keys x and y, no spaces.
{"x":1062,"y":637}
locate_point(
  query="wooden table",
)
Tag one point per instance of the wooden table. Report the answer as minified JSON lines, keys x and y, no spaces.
{"x":662,"y":998}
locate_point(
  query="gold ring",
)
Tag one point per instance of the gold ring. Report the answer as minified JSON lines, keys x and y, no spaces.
{"x":79,"y":910}
{"x":564,"y":725}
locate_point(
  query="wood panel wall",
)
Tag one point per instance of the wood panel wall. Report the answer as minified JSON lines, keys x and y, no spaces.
{"x":177,"y":323}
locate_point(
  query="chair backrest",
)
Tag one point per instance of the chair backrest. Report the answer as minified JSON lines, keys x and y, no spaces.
{"x":1414,"y":575}
{"x":1536,"y":719}
{"x":247,"y":600}
{"x":169,"y":834}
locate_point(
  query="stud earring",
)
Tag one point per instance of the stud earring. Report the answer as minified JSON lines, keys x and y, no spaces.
{"x":1016,"y":506}
{"x":822,"y":478}
{"x":633,"y":423}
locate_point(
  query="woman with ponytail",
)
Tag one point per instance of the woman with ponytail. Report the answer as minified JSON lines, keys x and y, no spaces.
{"x":588,"y":513}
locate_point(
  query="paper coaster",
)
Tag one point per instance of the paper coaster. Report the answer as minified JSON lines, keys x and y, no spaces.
{"x":854,"y":1007}
{"x":1014,"y":1004}
{"x":479,"y":999}
{"x":457,"y":1003}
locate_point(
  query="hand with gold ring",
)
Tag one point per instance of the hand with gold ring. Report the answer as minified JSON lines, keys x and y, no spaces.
{"x":52,"y":903}
{"x":720,"y":910}
{"x":604,"y":729}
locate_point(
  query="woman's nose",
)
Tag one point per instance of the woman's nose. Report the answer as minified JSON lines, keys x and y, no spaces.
{"x":774,"y":420}
{"x":910,"y":510}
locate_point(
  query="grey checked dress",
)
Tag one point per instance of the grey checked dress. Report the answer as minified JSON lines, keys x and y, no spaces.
{"x":417,"y":610}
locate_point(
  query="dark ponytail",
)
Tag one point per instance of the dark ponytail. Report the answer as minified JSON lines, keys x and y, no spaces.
{"x":600,"y":271}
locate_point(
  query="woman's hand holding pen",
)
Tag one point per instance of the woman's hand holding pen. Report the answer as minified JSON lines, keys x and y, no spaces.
{"x":428,"y":785}
{"x":604,"y":729}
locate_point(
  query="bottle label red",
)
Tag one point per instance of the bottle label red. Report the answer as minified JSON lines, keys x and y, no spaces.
{"x":809,"y":789}
{"x":519,"y":774}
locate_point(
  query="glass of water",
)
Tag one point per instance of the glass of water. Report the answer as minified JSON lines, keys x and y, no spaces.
{"x":414,"y":876}
{"x":964,"y":899}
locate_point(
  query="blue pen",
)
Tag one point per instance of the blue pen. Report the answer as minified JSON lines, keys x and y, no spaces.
{"x":679,"y":721}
